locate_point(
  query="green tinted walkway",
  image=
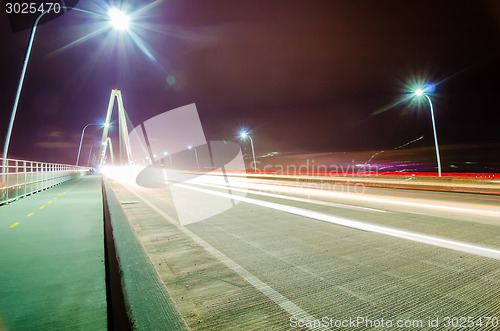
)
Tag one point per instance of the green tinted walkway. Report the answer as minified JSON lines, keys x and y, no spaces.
{"x":52,"y":273}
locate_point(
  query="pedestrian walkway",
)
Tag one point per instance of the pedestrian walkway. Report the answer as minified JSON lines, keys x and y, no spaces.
{"x":52,"y":270}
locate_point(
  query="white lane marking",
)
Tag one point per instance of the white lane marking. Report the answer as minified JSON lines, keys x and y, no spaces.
{"x":287,"y":197}
{"x":435,"y":241}
{"x":290,"y":307}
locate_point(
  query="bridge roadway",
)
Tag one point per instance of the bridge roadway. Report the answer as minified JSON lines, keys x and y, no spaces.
{"x":286,"y":252}
{"x":282,"y":252}
{"x":52,"y":274}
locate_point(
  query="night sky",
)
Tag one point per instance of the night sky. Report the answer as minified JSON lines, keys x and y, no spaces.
{"x":302,"y":76}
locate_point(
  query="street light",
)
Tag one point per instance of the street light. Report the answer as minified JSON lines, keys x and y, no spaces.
{"x":428,"y":88}
{"x":196,"y":155}
{"x":243,"y":135}
{"x":170,"y":156}
{"x":90,"y":152}
{"x":81,"y":140}
{"x":118,"y":19}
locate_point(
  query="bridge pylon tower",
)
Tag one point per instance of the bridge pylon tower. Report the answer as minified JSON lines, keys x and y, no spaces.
{"x":125,"y":154}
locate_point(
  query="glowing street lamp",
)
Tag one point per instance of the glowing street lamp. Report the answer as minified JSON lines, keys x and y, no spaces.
{"x":243,"y":135}
{"x":196,"y":155}
{"x":117,"y":18}
{"x":428,"y":88}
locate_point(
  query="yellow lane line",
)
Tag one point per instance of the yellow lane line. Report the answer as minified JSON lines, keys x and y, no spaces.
{"x":31,"y":214}
{"x":60,"y":195}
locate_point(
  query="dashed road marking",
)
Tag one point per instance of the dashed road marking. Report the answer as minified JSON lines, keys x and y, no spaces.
{"x":42,"y":207}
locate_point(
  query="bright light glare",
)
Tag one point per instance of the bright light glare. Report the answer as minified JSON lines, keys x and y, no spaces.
{"x":106,"y":125}
{"x":426,"y":88}
{"x":124,"y":174}
{"x":118,"y":19}
{"x":189,"y":147}
{"x":243,"y":133}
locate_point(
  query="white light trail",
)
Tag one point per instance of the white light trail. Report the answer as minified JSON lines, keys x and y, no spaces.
{"x":435,"y":241}
{"x":483,"y":210}
{"x":287,"y":197}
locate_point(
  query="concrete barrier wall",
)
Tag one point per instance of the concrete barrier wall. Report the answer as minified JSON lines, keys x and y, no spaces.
{"x":146,"y":300}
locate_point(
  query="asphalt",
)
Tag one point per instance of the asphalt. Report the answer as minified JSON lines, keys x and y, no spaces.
{"x":270,"y":260}
{"x":52,"y":259}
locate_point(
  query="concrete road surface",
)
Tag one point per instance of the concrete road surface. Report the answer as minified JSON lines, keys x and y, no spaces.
{"x":297,"y":256}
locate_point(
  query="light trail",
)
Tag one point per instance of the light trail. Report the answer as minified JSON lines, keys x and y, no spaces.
{"x":435,"y":205}
{"x":287,"y":197}
{"x":435,"y":241}
{"x":127,"y":175}
{"x":355,"y":177}
{"x":490,"y":211}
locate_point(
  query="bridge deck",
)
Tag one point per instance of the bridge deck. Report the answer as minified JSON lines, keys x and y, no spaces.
{"x":257,"y":266}
{"x":53,"y":272}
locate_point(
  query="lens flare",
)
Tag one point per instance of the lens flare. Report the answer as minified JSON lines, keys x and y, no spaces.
{"x":119,"y":19}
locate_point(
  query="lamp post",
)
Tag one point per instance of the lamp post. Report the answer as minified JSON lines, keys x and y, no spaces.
{"x":117,"y":18}
{"x":243,"y":135}
{"x":422,"y":92}
{"x":90,"y":152}
{"x":170,"y":156}
{"x":81,"y":140}
{"x":196,"y":155}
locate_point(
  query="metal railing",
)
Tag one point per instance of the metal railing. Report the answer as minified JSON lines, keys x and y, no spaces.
{"x":19,"y":178}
